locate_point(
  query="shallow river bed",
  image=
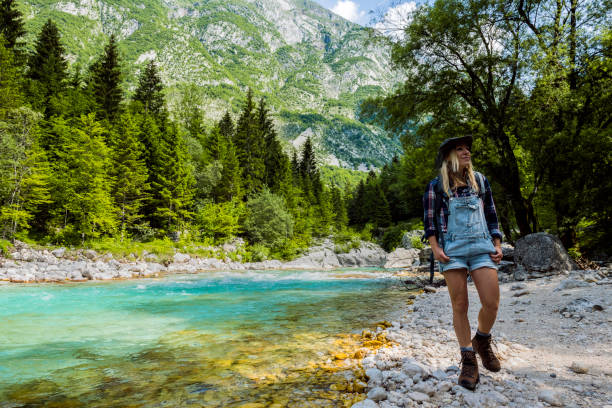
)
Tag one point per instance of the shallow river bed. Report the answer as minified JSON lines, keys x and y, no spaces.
{"x":226,"y":339}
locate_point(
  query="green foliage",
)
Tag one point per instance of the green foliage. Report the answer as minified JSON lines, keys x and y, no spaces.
{"x":149,"y":91}
{"x":81,"y":186}
{"x":48,"y":69}
{"x":392,"y":238}
{"x":416,"y":242}
{"x":267,"y":220}
{"x":11,"y":24}
{"x":219,"y":221}
{"x":5,"y":247}
{"x":106,"y":81}
{"x":130,"y":188}
{"x":24,"y":172}
{"x":249,"y":142}
{"x":10,"y":79}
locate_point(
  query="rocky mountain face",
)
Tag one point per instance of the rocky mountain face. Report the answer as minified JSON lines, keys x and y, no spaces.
{"x":312,"y":66}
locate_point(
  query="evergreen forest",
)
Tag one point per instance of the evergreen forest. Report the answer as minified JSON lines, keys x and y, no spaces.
{"x":82,"y":162}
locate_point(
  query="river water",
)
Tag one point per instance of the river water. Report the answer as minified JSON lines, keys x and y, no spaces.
{"x":221,"y":339}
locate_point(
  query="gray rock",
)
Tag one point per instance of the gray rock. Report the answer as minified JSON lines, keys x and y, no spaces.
{"x":368,"y":403}
{"x":181,"y":258}
{"x":59,"y":252}
{"x":90,"y":254}
{"x":445,"y":386}
{"x":519,"y":274}
{"x":425,"y":388}
{"x":542,"y":254}
{"x":519,"y":286}
{"x":412,"y":369}
{"x":439,"y":375}
{"x":401,"y":258}
{"x":374,"y":375}
{"x":430,"y":289}
{"x":507,"y":252}
{"x":418,"y":396}
{"x":550,"y":397}
{"x":377,"y":394}
{"x":571,"y":284}
{"x":580,"y":306}
{"x":521,"y":293}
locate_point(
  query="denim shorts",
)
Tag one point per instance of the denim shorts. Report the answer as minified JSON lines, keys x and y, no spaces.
{"x":468,"y":262}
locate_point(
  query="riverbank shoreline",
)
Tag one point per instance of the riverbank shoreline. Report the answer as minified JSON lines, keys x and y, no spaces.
{"x":29,"y":265}
{"x":553,"y":337}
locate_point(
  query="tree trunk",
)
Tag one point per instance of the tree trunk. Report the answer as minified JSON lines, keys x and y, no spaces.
{"x":512,"y":183}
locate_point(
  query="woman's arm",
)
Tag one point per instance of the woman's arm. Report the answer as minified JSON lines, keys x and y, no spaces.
{"x":429,"y":205}
{"x":492,"y":222}
{"x":491,"y":213}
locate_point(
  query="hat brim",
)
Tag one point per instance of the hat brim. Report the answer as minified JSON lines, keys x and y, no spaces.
{"x":449,"y":144}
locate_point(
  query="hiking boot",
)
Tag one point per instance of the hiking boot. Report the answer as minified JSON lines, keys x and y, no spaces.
{"x":469,"y":370}
{"x":482,"y":346}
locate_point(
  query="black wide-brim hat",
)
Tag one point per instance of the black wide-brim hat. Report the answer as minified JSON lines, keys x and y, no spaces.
{"x":450,"y":144}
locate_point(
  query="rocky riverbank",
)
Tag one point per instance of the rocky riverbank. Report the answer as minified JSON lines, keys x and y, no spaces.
{"x":26,"y":264}
{"x":553,"y":336}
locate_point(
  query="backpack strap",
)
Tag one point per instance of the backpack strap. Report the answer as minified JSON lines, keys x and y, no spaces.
{"x":481,"y":184}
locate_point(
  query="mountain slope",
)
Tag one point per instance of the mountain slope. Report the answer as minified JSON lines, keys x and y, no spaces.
{"x":312,"y":66}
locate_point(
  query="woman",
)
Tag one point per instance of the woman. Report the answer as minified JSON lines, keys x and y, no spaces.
{"x":461,"y":226}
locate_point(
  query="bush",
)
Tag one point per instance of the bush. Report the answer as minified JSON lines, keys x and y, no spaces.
{"x":219,"y":221}
{"x":268,"y":222}
{"x":392,"y":238}
{"x":416,"y":242}
{"x":5,"y":247}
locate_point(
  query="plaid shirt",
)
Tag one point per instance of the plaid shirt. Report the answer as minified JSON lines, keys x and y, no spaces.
{"x":429,"y":205}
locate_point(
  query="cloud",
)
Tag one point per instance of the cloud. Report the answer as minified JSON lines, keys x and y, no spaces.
{"x":395,"y":20}
{"x":348,"y":10}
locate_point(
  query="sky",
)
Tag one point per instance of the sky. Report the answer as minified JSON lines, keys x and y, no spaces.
{"x":364,"y":11}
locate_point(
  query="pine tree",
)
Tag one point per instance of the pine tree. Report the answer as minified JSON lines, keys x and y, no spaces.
{"x":250,"y":148}
{"x":149,"y":91}
{"x":215,"y":145}
{"x":130,"y":188}
{"x":151,"y":139}
{"x":11,"y":25}
{"x":24,"y":172}
{"x":275,"y":161}
{"x":311,"y":179}
{"x":339,"y":208}
{"x":229,"y":188}
{"x":355,"y":210}
{"x":171,"y":182}
{"x":106,"y":81}
{"x":81,"y":183}
{"x":10,"y":79}
{"x":226,"y":126}
{"x":47,"y":68}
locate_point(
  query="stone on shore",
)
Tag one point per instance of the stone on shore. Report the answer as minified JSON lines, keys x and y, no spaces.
{"x":368,"y":403}
{"x":401,"y":258}
{"x":542,"y":254}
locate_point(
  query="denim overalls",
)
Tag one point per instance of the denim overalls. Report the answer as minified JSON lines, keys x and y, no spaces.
{"x":467,"y":241}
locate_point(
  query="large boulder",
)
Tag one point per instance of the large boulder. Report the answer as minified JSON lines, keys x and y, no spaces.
{"x":542,"y":254}
{"x":402,"y":258}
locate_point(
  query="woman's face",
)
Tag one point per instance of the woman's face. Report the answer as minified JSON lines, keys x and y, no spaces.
{"x":464,"y":155}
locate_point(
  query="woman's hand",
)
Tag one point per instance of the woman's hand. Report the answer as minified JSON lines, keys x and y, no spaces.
{"x":439,"y":254}
{"x":497,"y":256}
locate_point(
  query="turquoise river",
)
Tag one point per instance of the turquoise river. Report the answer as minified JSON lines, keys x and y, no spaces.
{"x":218,"y":339}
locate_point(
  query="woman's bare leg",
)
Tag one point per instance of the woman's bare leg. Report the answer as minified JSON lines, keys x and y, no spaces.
{"x":456,"y":281}
{"x":487,"y":285}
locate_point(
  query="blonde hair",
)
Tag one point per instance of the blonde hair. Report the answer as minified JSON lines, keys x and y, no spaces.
{"x":450,"y":171}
